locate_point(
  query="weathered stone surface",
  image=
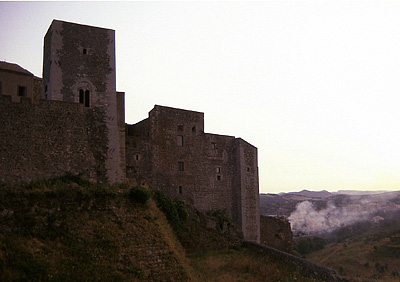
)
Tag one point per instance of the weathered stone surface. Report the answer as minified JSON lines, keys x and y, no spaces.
{"x":276,"y":233}
{"x":171,"y":152}
{"x":79,"y":127}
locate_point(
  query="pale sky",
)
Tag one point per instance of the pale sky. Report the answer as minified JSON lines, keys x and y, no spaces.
{"x":314,"y":85}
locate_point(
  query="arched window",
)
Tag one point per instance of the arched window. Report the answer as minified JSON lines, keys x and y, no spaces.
{"x":87,"y":98}
{"x":81,"y":96}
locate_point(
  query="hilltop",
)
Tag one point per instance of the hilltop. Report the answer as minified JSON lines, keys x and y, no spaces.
{"x":68,"y":229}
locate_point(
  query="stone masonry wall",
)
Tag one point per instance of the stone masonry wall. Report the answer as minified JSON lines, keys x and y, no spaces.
{"x":43,"y":140}
{"x":79,"y":58}
{"x":246,"y":190}
{"x":276,"y":233}
{"x":207,"y":171}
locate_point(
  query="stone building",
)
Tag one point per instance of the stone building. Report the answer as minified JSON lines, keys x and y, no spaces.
{"x":79,"y":67}
{"x":18,"y":82}
{"x":208,"y":171}
{"x":78,"y":126}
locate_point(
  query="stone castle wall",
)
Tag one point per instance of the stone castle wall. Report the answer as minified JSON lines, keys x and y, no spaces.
{"x":79,"y":127}
{"x":276,"y":233}
{"x":43,"y":140}
{"x":171,"y":152}
{"x":79,"y":67}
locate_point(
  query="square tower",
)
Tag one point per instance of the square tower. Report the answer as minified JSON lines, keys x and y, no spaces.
{"x":79,"y":67}
{"x":78,"y":63}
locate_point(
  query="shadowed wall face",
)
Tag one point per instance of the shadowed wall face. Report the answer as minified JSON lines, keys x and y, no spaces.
{"x":211,"y":172}
{"x":79,"y":67}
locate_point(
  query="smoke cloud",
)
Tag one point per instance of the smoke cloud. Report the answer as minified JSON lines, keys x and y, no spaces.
{"x":309,"y":220}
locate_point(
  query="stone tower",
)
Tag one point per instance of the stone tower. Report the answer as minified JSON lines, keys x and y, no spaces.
{"x":79,"y":67}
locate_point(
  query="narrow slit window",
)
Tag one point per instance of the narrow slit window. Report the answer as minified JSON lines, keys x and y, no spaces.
{"x":180,"y":189}
{"x":218,"y":177}
{"x":218,"y":170}
{"x":213,"y":146}
{"x":84,"y":51}
{"x":181,"y":166}
{"x":179,"y":141}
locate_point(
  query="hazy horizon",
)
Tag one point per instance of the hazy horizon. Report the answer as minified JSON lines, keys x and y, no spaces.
{"x":312,"y":84}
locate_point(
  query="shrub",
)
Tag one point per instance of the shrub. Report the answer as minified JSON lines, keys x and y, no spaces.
{"x":307,"y":245}
{"x":174,"y":211}
{"x":139,"y":194}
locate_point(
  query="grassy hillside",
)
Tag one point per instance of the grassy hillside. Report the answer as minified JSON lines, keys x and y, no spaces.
{"x":70,"y":230}
{"x":67,"y":229}
{"x":370,"y":258}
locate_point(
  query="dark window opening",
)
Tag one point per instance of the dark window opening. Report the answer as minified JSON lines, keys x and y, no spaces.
{"x":84,"y":51}
{"x":179,"y":140}
{"x":87,"y":98}
{"x":248,"y":169}
{"x":21,"y":91}
{"x":213,"y":146}
{"x":137,"y":157}
{"x":218,"y":170}
{"x":194,"y":129}
{"x":180,"y":166}
{"x":218,"y":177}
{"x":45,"y":88}
{"x":180,"y":189}
{"x":81,"y":96}
{"x":180,"y":127}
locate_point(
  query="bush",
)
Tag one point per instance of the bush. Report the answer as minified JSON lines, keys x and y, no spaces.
{"x":139,"y":194}
{"x":174,"y":211}
{"x":307,"y":245}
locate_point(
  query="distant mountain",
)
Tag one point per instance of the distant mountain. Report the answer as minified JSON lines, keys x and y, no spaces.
{"x":356,"y":192}
{"x":313,"y":194}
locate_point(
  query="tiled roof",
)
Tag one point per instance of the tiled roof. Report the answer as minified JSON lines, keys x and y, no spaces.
{"x":14,"y":68}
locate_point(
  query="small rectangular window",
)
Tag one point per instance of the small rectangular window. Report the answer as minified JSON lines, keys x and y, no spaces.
{"x":218,"y":177}
{"x":180,"y":166}
{"x":179,"y":140}
{"x":213,"y":146}
{"x":218,"y":170}
{"x":21,"y":91}
{"x":180,"y":189}
{"x":84,"y":51}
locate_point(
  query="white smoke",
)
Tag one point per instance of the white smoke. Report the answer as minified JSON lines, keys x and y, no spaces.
{"x":309,"y":220}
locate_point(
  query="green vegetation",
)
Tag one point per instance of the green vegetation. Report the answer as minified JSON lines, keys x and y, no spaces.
{"x":175,"y":211}
{"x":69,"y":229}
{"x":373,"y":256}
{"x":139,"y":194}
{"x":307,"y":245}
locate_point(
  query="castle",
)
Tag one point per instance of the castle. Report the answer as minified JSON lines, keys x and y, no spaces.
{"x":73,"y":120}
